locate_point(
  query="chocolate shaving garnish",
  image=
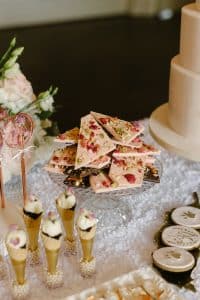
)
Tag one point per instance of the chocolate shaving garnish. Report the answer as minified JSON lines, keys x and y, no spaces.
{"x":73,"y":208}
{"x":87,"y":230}
{"x":151,"y":174}
{"x":53,"y":237}
{"x":77,"y":182}
{"x":82,"y":172}
{"x":32,"y":215}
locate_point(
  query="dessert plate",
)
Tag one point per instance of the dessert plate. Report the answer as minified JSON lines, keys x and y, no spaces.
{"x":145,"y":278}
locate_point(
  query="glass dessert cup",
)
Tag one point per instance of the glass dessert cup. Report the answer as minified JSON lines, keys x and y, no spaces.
{"x":86,"y":228}
{"x":88,"y":261}
{"x":53,"y":273}
{"x":32,"y":228}
{"x":17,"y":274}
{"x":53,"y":277}
{"x":68,"y":216}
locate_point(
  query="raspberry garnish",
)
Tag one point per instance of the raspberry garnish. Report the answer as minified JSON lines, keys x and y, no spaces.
{"x":130,"y":178}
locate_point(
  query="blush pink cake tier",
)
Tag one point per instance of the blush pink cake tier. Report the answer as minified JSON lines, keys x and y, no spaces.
{"x":176,"y":124}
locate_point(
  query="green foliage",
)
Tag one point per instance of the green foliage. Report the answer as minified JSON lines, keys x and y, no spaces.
{"x":36,"y":104}
{"x":45,"y":115}
{"x":10,"y":57}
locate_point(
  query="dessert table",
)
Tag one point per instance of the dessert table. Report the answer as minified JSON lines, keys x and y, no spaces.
{"x":125,"y":248}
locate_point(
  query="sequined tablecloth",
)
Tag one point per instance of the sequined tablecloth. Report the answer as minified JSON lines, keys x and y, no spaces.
{"x":127,"y":247}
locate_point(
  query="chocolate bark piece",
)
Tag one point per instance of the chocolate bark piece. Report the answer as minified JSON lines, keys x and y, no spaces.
{"x":53,"y":168}
{"x":68,"y":137}
{"x":64,"y":157}
{"x":77,"y":181}
{"x":81,"y":173}
{"x":151,"y":174}
{"x":100,"y":163}
{"x":135,"y":143}
{"x":121,"y":130}
{"x":127,"y":171}
{"x":93,"y":142}
{"x":127,"y":151}
{"x":101,"y":183}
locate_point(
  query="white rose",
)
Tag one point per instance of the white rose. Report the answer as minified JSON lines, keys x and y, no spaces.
{"x":19,"y":87}
{"x":47,"y":104}
{"x":3,"y":96}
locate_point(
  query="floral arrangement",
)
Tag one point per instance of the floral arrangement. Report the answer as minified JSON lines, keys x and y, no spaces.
{"x":16,"y":95}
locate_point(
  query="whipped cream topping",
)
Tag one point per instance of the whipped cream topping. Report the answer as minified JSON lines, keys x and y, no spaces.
{"x":16,"y":238}
{"x":51,"y":225}
{"x":86,"y":219}
{"x":34,"y":205}
{"x":67,"y":199}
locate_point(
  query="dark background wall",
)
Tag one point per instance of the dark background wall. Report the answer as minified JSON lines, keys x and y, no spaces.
{"x":118,"y":66}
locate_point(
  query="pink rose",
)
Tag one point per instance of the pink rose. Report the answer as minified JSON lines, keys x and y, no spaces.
{"x":19,"y":86}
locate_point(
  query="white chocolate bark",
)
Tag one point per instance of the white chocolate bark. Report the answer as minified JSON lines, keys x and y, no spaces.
{"x":70,"y":136}
{"x":93,"y":142}
{"x":64,"y":157}
{"x":144,"y":150}
{"x":100,"y":163}
{"x":53,"y":168}
{"x":101,"y":183}
{"x":128,"y":172}
{"x":121,"y":130}
{"x":135,"y":143}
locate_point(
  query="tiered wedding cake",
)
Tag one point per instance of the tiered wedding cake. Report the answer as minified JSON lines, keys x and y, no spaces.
{"x":176,"y":125}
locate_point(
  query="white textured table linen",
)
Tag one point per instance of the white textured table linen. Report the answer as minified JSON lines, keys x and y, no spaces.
{"x":126,"y":248}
